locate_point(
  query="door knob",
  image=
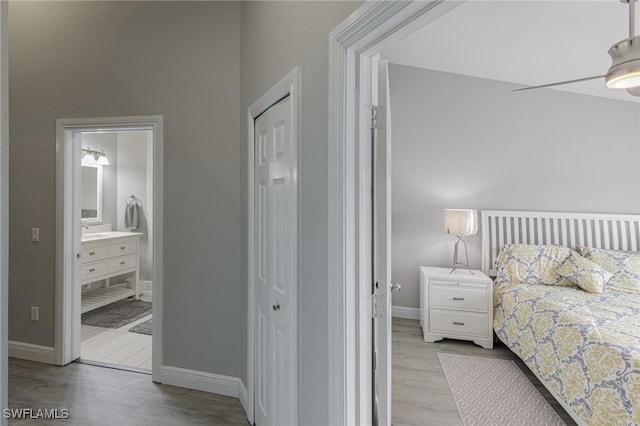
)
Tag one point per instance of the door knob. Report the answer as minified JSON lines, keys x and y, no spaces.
{"x":276,"y":307}
{"x":396,"y":287}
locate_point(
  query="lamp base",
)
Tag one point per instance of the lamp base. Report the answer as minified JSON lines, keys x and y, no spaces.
{"x":457,"y":264}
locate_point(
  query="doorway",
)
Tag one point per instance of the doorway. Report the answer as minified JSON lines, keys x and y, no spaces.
{"x":116,"y":263}
{"x":272,"y":254}
{"x":353,"y":45}
{"x":109,"y":227}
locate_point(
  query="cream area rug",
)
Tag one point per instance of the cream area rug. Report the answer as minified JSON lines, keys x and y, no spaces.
{"x":495,"y":392}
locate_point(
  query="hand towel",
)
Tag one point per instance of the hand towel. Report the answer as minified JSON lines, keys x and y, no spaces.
{"x":131,"y":217}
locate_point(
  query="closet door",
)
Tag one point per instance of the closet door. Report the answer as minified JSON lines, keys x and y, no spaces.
{"x":275,"y":272}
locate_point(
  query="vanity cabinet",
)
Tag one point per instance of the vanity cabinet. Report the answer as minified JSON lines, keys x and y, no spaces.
{"x":103,"y":257}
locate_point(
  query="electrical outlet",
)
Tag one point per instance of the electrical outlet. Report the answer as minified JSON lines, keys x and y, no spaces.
{"x":34,"y":313}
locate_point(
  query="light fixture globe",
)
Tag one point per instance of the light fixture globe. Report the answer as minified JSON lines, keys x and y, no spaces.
{"x":624,"y":72}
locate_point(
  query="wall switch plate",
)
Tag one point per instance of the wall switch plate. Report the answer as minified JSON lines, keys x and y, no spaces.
{"x":35,"y":235}
{"x":35,"y":313}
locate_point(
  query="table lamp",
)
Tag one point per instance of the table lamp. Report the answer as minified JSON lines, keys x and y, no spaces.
{"x":461,"y":223}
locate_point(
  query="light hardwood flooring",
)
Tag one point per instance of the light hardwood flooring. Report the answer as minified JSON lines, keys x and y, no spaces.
{"x":116,"y":346}
{"x":420,"y":393}
{"x":102,"y":396}
{"x":98,"y":396}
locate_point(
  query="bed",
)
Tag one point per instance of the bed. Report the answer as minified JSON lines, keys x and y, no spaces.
{"x":567,"y":302}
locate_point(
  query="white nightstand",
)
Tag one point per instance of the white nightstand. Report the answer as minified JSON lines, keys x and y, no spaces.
{"x":456,"y":306}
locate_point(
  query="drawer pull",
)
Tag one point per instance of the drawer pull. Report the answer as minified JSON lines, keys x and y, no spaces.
{"x":122,"y":248}
{"x":458,"y":298}
{"x":123,"y":262}
{"x":92,"y":270}
{"x":458,"y":323}
{"x":91,"y":253}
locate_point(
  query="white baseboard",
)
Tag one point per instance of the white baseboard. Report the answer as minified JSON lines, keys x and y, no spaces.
{"x":244,"y":398}
{"x":402,"y":312}
{"x":199,"y":380}
{"x":31,"y":352}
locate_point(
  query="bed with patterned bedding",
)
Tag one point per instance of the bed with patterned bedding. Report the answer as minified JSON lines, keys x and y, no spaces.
{"x":573,"y":316}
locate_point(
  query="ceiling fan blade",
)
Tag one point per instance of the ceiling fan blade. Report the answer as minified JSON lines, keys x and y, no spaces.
{"x":560,"y":83}
{"x":634,"y":91}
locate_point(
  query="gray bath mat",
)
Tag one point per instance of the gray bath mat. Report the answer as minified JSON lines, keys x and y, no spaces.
{"x":143,"y":328}
{"x":117,"y":314}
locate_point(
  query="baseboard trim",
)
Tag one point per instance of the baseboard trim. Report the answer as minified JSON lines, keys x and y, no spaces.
{"x":31,"y":352}
{"x":402,"y":312}
{"x":199,"y":380}
{"x":244,"y":398}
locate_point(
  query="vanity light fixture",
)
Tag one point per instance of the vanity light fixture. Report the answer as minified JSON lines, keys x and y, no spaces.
{"x":462,"y":223}
{"x":90,"y":156}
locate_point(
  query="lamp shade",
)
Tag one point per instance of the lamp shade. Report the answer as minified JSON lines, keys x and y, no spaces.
{"x":461,"y":222}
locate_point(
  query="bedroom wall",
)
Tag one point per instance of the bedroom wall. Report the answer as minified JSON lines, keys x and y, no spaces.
{"x":95,"y":59}
{"x":276,"y":37}
{"x":464,"y":142}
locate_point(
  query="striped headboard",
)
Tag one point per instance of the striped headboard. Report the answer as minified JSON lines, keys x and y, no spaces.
{"x":609,"y":231}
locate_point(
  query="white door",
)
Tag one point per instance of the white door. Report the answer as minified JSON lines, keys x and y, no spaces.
{"x":275,"y":271}
{"x":382,"y":250}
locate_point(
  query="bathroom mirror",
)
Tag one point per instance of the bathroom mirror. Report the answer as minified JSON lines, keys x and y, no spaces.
{"x":91,"y":197}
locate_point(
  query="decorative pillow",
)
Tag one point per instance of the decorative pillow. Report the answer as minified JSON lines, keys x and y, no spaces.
{"x":623,"y":265}
{"x":533,"y":264}
{"x":588,"y":275}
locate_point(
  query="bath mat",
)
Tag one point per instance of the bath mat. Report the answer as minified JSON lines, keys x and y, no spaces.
{"x":143,"y":328}
{"x":117,"y":314}
{"x":495,"y":392}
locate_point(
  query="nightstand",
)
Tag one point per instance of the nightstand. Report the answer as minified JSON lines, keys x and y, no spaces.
{"x":456,"y":306}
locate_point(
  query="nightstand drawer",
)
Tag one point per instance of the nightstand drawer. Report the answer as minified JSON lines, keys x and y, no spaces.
{"x":457,"y":322}
{"x":465,"y":298}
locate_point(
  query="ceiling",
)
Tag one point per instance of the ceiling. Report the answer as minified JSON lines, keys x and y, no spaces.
{"x":524,"y":42}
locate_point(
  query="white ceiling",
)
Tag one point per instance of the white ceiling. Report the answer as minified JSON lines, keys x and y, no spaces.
{"x":524,"y":42}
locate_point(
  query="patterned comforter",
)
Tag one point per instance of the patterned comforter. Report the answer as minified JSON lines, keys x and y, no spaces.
{"x":585,"y":346}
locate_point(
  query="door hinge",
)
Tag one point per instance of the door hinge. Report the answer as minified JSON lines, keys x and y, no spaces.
{"x":374,"y":306}
{"x":377,"y":117}
{"x":377,"y":307}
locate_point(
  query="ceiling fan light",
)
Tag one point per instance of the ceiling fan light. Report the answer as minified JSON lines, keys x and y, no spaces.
{"x":624,"y":81}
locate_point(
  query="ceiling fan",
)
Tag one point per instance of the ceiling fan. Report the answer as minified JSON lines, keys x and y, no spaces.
{"x":624,"y":72}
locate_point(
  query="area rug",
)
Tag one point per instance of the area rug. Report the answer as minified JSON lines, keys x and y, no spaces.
{"x":143,"y":328}
{"x":117,"y":314}
{"x":495,"y":392}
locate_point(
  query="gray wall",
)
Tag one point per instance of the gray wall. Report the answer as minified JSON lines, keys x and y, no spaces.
{"x":177,"y":59}
{"x":277,"y":36}
{"x":109,"y":143}
{"x":463,"y":142}
{"x":133,"y":151}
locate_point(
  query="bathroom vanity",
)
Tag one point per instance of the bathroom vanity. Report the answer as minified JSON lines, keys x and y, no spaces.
{"x":106,"y":255}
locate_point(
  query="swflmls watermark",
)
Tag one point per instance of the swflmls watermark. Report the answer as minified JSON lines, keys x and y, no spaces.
{"x":36,"y":413}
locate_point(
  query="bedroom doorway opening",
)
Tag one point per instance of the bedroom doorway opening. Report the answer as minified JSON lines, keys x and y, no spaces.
{"x":109,"y":216}
{"x":359,"y":202}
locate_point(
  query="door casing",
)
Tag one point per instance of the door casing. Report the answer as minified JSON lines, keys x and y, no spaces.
{"x":67,"y":319}
{"x":352,"y":45}
{"x":289,"y":85}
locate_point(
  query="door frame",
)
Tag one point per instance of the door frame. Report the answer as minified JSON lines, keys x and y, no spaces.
{"x":67,"y":323}
{"x":289,"y":85}
{"x":352,"y":44}
{"x":4,"y":208}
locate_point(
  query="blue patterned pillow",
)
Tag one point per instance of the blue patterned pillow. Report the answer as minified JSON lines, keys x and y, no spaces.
{"x":588,"y":275}
{"x":532,"y":264}
{"x":624,"y":267}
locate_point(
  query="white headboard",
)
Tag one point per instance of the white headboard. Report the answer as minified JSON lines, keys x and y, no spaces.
{"x":610,"y":231}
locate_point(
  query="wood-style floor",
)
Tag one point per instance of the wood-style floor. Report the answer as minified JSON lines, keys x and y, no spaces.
{"x":108,"y":397}
{"x":102,"y":396}
{"x":116,"y":346}
{"x":420,"y":393}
